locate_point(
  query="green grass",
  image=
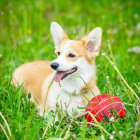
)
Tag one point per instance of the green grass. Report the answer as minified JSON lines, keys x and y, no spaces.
{"x":25,"y":36}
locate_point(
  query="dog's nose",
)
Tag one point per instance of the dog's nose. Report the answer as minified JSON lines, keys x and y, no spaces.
{"x":54,"y":65}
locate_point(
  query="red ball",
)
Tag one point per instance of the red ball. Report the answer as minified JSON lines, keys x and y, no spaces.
{"x":105,"y":106}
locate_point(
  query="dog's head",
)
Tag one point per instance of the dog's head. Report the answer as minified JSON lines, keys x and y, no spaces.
{"x":74,"y":56}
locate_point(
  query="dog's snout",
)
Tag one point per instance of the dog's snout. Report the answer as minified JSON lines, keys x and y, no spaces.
{"x":54,"y":65}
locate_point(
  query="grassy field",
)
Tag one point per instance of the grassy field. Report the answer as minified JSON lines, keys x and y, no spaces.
{"x":25,"y":36}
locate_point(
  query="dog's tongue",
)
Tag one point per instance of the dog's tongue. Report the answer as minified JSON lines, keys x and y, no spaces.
{"x":58,"y":76}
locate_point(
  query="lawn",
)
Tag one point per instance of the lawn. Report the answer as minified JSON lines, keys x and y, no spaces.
{"x":25,"y":36}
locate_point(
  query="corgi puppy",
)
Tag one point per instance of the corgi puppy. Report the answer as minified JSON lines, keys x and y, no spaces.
{"x":70,"y":80}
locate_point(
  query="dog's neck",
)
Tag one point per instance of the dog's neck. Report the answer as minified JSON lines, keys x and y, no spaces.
{"x":81,"y":81}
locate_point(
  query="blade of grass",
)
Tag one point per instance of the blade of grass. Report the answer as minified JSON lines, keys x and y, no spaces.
{"x":4,"y":131}
{"x":71,"y":123}
{"x":99,"y":126}
{"x":115,"y":66}
{"x":28,"y":124}
{"x":47,"y":128}
{"x":6,"y":123}
{"x":96,"y":126}
{"x":47,"y":96}
{"x":137,"y":86}
{"x":67,"y":134}
{"x":132,"y":91}
{"x":63,"y":115}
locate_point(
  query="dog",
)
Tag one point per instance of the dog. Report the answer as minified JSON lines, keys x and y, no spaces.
{"x":70,"y":80}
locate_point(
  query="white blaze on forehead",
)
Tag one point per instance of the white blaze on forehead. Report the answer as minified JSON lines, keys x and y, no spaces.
{"x":65,"y":48}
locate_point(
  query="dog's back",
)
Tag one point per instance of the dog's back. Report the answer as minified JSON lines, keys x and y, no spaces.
{"x":32,"y":76}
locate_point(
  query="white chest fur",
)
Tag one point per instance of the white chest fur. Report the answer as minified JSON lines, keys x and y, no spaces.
{"x":62,"y":94}
{"x":67,"y":102}
{"x":67,"y":92}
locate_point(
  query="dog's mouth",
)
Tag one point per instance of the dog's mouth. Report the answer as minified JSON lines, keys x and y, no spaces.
{"x":60,"y":75}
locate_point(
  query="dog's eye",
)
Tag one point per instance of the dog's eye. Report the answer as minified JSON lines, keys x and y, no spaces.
{"x":71,"y":55}
{"x":58,"y":53}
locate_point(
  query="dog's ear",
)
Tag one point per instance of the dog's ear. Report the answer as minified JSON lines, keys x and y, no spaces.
{"x":57,"y":33}
{"x":92,"y":41}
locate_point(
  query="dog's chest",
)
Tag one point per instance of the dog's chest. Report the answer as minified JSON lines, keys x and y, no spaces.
{"x":67,"y":102}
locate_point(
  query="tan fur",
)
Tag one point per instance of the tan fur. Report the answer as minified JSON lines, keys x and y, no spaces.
{"x":65,"y":37}
{"x":63,"y":42}
{"x":90,"y":91}
{"x":81,"y":50}
{"x":32,"y":76}
{"x":78,"y":51}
